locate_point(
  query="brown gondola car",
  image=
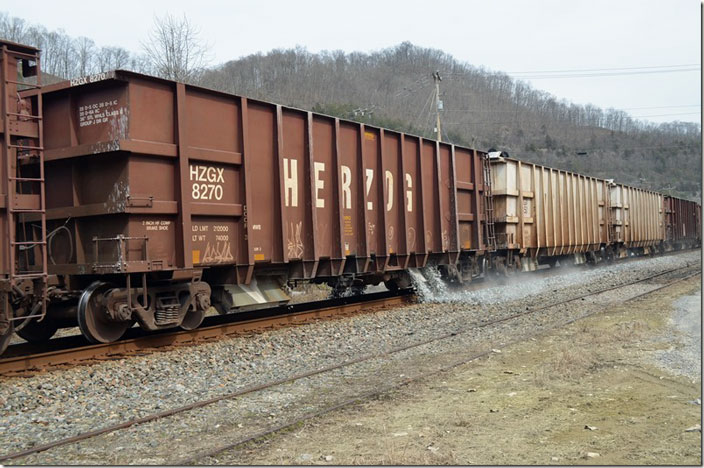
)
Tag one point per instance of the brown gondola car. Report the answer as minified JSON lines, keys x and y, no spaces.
{"x":162,"y":197}
{"x":683,"y":221}
{"x":637,"y":221}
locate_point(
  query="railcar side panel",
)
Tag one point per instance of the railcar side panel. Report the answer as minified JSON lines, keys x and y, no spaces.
{"x":636,"y":216}
{"x":352,"y":191}
{"x":682,"y":221}
{"x":542,"y":211}
{"x":466,"y":170}
{"x":393,"y":198}
{"x":431,"y":197}
{"x":267,"y":228}
{"x":218,"y":180}
{"x":414,"y":202}
{"x":373,"y":190}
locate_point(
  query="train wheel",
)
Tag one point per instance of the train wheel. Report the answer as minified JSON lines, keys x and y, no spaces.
{"x":93,"y":319}
{"x":511,"y":270}
{"x":195,"y":315}
{"x":38,"y":332}
{"x":193,"y":319}
{"x":6,"y":337}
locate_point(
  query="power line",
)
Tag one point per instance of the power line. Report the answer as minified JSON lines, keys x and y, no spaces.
{"x":427,"y":102}
{"x":513,"y":122}
{"x":660,"y":107}
{"x":472,"y":111}
{"x":657,"y":68}
{"x":665,"y":115}
{"x":598,"y":75}
{"x":641,"y":147}
{"x":419,"y":83}
{"x":604,"y":69}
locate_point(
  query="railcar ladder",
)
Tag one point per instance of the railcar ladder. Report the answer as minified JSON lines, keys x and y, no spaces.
{"x":609,"y":218}
{"x":610,"y":222}
{"x":25,"y":196}
{"x":489,"y":233}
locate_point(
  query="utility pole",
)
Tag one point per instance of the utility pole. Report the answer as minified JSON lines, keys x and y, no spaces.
{"x":438,"y":104}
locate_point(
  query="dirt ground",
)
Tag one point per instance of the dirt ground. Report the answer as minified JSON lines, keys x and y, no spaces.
{"x":595,"y":392}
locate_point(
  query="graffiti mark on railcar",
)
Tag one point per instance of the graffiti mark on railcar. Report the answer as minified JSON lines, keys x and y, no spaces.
{"x":219,"y":253}
{"x":411,"y":238}
{"x":371,"y":227}
{"x":347,"y":225}
{"x":117,"y":198}
{"x":390,"y":233}
{"x":293,"y":238}
{"x":466,"y":235}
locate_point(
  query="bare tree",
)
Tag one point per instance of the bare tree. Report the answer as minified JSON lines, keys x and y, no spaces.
{"x":11,"y":28}
{"x":112,"y":58}
{"x":84,"y":54}
{"x":175,"y":49}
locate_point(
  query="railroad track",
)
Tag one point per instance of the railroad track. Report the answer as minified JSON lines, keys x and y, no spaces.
{"x":24,"y":358}
{"x":192,"y":460}
{"x":679,"y":274}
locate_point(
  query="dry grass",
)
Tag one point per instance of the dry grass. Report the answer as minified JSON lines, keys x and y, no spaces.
{"x":568,"y":363}
{"x":583,"y":355}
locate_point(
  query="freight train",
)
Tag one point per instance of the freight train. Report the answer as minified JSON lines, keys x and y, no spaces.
{"x":133,"y":199}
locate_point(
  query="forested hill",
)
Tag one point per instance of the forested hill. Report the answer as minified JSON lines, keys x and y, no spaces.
{"x":394,"y":88}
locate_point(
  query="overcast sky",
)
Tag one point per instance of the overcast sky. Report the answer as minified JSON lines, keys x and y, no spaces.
{"x":643,"y":56}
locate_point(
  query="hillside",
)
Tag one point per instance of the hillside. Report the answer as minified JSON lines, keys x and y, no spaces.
{"x":394,"y":88}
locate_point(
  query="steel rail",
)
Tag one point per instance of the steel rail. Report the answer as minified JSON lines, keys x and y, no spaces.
{"x":375,"y":393}
{"x":282,"y":316}
{"x":259,"y":387}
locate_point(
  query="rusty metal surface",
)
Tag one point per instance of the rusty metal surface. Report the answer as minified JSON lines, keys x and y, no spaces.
{"x":213,"y":179}
{"x":682,"y":220}
{"x":545,"y":211}
{"x":19,"y":127}
{"x":637,"y":216}
{"x":90,"y":353}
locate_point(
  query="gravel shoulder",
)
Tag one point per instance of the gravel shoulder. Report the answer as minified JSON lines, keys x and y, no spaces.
{"x":683,"y":338}
{"x":62,"y":403}
{"x":594,"y":392}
